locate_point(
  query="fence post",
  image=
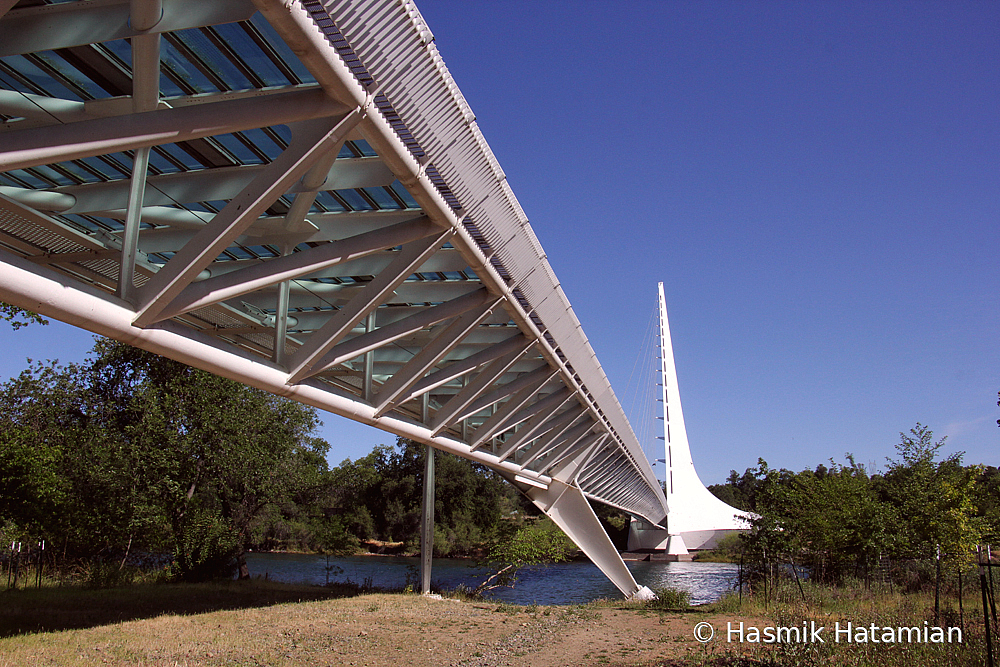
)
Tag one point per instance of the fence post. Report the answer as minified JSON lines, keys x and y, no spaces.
{"x":989,"y":569}
{"x":17,"y":566}
{"x":38,"y":571}
{"x":937,"y":586}
{"x":961,"y":607}
{"x":741,"y":578}
{"x":986,"y":606}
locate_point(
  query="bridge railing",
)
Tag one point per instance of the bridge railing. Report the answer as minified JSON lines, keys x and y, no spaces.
{"x":395,"y":52}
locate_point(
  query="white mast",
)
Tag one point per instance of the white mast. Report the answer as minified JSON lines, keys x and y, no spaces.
{"x":695,"y":517}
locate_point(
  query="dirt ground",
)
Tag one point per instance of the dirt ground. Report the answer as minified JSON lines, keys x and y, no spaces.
{"x":391,"y":630}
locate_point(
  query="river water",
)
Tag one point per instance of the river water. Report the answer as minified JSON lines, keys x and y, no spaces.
{"x":561,"y":583}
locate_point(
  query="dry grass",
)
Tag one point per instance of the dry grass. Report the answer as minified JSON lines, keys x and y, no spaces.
{"x":225,"y":624}
{"x":273,"y":624}
{"x":64,"y":608}
{"x":266,"y":624}
{"x":860,"y":606}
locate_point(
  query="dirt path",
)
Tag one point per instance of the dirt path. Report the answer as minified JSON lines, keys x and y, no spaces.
{"x":390,"y":630}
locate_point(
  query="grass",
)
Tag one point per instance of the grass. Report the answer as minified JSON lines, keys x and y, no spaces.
{"x":715,"y":556}
{"x":50,"y":609}
{"x":669,"y":599}
{"x":788,"y":606}
{"x":206,"y":616}
{"x":257,"y":624}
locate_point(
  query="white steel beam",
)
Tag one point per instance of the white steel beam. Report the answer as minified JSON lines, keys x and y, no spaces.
{"x":525,"y":379}
{"x":73,"y":257}
{"x":598,"y":465}
{"x":72,"y":235}
{"x":32,"y":111}
{"x":130,"y":236}
{"x":60,"y":26}
{"x":145,"y":95}
{"x":552,"y":452}
{"x":457,"y":407}
{"x":559,"y":434}
{"x":369,"y":363}
{"x":367,"y":265}
{"x":553,"y":430}
{"x":426,"y":317}
{"x":516,"y":343}
{"x":429,"y":356}
{"x":262,"y":274}
{"x":567,"y":506}
{"x":37,"y":108}
{"x":474,"y":341}
{"x":569,"y":470}
{"x":619,"y":471}
{"x":5,"y":6}
{"x":307,"y":357}
{"x":307,"y":146}
{"x":603,"y":457}
{"x":541,"y":411}
{"x":204,"y":185}
{"x":57,"y":143}
{"x":281,"y":319}
{"x":506,"y":390}
{"x":570,"y":448}
{"x":302,"y":201}
{"x":268,"y":229}
{"x":518,"y":399}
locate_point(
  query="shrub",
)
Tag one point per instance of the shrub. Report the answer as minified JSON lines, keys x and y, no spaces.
{"x":669,"y":598}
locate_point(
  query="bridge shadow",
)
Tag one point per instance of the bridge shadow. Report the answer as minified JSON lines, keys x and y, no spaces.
{"x":31,"y":610}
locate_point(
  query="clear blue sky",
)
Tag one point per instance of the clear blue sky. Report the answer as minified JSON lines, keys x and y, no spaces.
{"x":817,"y":185}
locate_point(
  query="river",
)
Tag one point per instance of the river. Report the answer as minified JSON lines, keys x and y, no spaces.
{"x":562,"y":583}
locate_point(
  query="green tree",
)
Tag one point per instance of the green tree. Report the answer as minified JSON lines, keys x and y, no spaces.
{"x":987,"y":493}
{"x":520,"y":542}
{"x":379,"y":497}
{"x":152,"y":454}
{"x":219,"y":452}
{"x":837,"y":519}
{"x":31,"y":492}
{"x":830,"y":518}
{"x":935,"y":498}
{"x":768,"y":535}
{"x":19,"y":317}
{"x":99,"y":508}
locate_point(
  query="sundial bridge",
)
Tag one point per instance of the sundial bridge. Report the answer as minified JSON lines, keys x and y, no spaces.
{"x":296,"y":195}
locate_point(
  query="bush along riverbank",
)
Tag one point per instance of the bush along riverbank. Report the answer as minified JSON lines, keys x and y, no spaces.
{"x":128,"y":454}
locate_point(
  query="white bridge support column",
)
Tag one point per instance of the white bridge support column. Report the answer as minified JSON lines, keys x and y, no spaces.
{"x":566,"y":505}
{"x":427,"y":524}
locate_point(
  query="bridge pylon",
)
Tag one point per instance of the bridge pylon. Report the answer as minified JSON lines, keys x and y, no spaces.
{"x":696,"y":519}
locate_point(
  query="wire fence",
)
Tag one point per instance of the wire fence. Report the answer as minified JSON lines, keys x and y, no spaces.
{"x":967,"y":579}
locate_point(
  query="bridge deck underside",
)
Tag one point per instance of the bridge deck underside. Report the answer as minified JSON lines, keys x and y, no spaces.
{"x":302,"y":188}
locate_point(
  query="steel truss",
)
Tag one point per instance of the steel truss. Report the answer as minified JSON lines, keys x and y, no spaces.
{"x":295,"y":195}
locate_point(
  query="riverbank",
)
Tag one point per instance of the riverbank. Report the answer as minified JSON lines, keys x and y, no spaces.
{"x":265,"y":623}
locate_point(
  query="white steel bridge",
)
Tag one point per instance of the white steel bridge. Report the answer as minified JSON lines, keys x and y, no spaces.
{"x":295,"y":195}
